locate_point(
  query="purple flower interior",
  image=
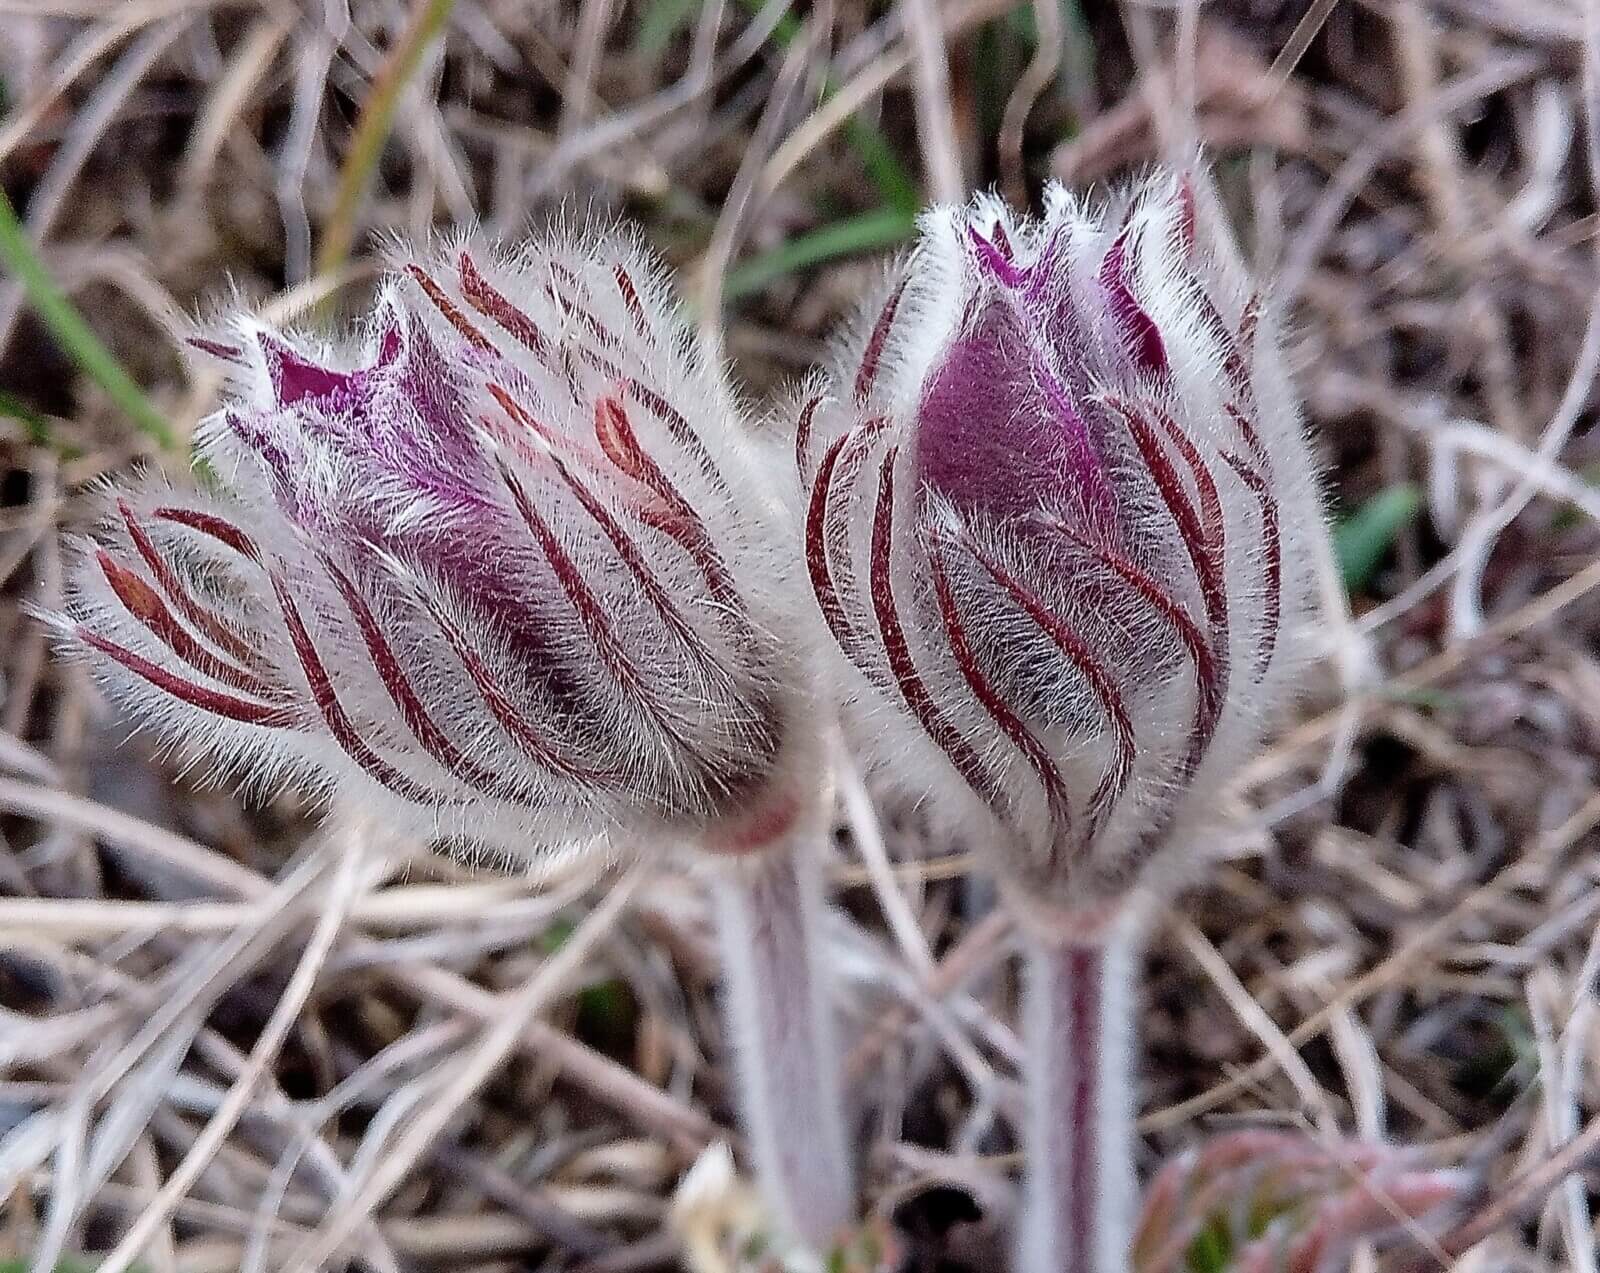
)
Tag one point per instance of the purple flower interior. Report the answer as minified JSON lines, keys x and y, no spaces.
{"x":999,"y":434}
{"x":402,"y":429}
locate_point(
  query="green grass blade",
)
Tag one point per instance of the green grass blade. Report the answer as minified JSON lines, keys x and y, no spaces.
{"x":660,"y":22}
{"x":866,"y":232}
{"x":1363,"y":539}
{"x":34,"y":424}
{"x":898,"y":188}
{"x":72,"y":333}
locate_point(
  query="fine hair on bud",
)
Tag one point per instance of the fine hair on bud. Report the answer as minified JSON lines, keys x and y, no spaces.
{"x":497,"y":560}
{"x":1059,"y":519}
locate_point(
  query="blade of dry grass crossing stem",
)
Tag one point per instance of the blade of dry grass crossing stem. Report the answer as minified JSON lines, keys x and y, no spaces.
{"x":893,"y":180}
{"x":75,"y":336}
{"x":373,"y":127}
{"x":883,"y":227}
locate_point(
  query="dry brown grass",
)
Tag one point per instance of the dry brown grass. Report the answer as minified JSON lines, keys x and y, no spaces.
{"x":230,"y":1040}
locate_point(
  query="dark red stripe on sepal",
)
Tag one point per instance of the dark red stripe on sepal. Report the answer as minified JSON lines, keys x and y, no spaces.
{"x":228,"y":706}
{"x":1009,"y":723}
{"x":872,"y":355}
{"x":1093,"y":670}
{"x":913,"y":689}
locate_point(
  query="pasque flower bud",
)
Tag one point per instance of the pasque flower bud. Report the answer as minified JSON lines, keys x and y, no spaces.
{"x":502,"y":568}
{"x":1057,"y":513}
{"x":497,"y":564}
{"x":1059,"y":518}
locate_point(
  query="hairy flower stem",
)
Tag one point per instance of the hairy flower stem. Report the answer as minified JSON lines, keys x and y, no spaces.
{"x":769,"y":907}
{"x":1080,"y":1194}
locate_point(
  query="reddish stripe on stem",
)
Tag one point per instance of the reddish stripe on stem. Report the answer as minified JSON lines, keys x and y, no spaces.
{"x":1086,"y":977}
{"x":448,"y":309}
{"x":983,"y":690}
{"x":1093,"y":671}
{"x":902,"y":666}
{"x":872,"y":355}
{"x":188,"y":606}
{"x":145,"y":604}
{"x":228,"y":706}
{"x":1078,"y":1142}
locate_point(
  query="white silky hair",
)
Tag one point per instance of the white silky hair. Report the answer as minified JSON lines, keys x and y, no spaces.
{"x":658,"y":718}
{"x":1154,"y":839}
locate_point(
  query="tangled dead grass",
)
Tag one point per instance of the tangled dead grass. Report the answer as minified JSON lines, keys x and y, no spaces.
{"x":230,"y":1039}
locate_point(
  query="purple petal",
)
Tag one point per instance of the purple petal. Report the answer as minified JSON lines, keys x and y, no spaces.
{"x":998,"y":432}
{"x":995,"y":258}
{"x":1138,"y":328}
{"x":295,"y":377}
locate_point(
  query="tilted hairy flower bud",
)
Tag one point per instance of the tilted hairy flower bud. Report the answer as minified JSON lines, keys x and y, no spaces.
{"x":503,"y":566}
{"x":499,"y":562}
{"x":1057,"y":517}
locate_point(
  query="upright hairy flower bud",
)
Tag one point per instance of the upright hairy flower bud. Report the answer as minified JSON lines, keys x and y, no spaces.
{"x":1058,"y":518}
{"x":502,"y":567}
